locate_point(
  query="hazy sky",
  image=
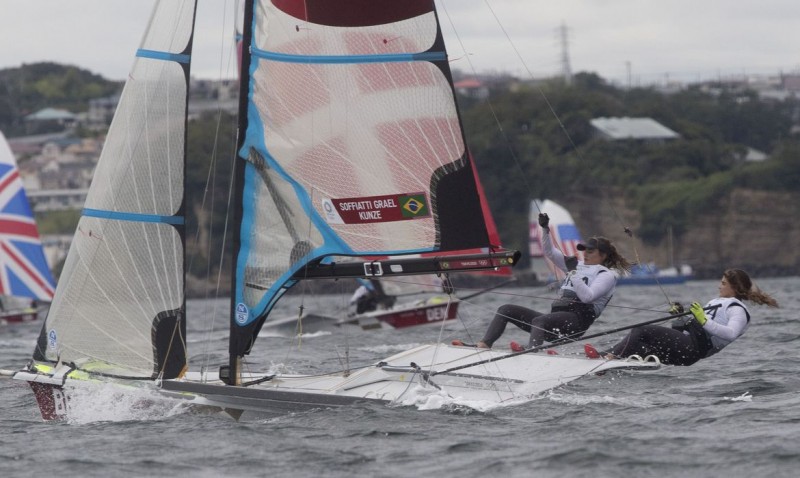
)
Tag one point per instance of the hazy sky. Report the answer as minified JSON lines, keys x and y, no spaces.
{"x":650,"y":40}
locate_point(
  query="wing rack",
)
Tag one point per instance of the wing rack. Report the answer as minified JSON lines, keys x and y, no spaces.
{"x":409,"y":266}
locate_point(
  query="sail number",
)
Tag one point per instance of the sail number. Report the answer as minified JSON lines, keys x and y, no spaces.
{"x":435,"y":314}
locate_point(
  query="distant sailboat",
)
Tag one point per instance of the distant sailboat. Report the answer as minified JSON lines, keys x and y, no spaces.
{"x":350,"y":146}
{"x":566,"y":237}
{"x":25,"y":276}
{"x":563,"y":230}
{"x":651,"y":274}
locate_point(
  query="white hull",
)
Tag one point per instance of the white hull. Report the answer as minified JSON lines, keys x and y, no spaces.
{"x":507,"y":380}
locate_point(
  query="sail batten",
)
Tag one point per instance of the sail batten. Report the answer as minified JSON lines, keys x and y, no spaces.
{"x":131,"y":216}
{"x":333,"y":59}
{"x":163,"y":55}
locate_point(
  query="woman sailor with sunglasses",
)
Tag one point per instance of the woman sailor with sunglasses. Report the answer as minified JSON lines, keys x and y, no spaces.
{"x":586,"y":290}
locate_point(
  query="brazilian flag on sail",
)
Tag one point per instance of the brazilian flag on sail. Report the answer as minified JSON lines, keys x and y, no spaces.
{"x":414,"y":205}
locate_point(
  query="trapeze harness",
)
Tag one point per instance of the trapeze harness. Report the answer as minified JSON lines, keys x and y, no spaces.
{"x":708,"y":344}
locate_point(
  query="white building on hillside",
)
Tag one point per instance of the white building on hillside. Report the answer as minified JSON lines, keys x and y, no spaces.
{"x":637,"y":129}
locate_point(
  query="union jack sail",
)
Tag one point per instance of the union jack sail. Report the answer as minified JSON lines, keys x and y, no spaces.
{"x":23,"y":268}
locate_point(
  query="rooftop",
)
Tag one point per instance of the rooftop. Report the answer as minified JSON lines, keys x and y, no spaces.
{"x":50,"y":114}
{"x":633,"y":128}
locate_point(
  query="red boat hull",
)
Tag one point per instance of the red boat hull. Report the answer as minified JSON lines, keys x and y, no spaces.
{"x":17,"y":317}
{"x":419,"y":315}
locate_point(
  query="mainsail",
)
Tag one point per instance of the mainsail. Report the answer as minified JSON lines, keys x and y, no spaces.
{"x":24,"y":271}
{"x":353,"y":145}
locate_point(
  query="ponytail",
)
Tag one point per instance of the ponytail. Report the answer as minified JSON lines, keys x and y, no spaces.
{"x":744,"y":289}
{"x":614,"y":259}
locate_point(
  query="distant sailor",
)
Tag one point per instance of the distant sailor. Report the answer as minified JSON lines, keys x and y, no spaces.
{"x":584,"y":294}
{"x":724,"y":320}
{"x":369,"y":296}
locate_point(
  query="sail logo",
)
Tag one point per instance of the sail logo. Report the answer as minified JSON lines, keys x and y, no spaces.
{"x":329,"y":212}
{"x":362,"y":210}
{"x":242,"y":314}
{"x":52,"y":339}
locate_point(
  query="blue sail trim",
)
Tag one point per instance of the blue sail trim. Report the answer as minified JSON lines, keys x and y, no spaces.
{"x":393,"y":58}
{"x":332,"y":243}
{"x":163,"y":55}
{"x":132,"y":216}
{"x":254,"y":138}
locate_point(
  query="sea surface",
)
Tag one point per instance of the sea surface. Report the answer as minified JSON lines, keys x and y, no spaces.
{"x":736,"y":414}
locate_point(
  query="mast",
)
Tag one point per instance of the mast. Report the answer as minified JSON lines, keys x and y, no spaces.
{"x":232,"y":376}
{"x":670,"y":246}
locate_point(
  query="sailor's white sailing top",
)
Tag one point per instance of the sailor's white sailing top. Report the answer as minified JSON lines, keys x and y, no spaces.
{"x":727,"y":322}
{"x":591,"y":284}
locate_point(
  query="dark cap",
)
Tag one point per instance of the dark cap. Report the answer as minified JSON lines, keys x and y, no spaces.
{"x":600,"y":243}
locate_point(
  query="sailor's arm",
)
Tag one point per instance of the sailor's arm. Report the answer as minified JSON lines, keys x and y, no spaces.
{"x":737,"y":321}
{"x":601,"y":286}
{"x":551,"y":252}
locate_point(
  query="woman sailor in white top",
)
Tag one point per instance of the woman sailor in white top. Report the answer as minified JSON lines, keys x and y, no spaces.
{"x":584,"y":294}
{"x":724,"y":320}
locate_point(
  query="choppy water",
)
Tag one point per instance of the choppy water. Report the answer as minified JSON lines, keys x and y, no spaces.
{"x":735,"y":414}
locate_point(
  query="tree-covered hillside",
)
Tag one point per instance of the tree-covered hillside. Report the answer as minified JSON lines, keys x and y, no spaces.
{"x":544,"y":147}
{"x":32,"y":87}
{"x":530,"y":140}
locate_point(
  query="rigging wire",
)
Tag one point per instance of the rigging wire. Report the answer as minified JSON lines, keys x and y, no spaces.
{"x":225,"y":65}
{"x":210,"y":185}
{"x":570,"y":338}
{"x":555,"y":115}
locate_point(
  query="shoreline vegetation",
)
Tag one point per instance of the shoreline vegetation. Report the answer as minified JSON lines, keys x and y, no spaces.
{"x":722,"y":207}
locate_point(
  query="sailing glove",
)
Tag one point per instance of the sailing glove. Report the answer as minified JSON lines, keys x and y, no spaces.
{"x":544,"y":221}
{"x":697,"y":310}
{"x":676,"y":308}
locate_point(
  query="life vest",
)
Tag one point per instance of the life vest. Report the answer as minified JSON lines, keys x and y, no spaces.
{"x":587,"y":274}
{"x":720,"y":316}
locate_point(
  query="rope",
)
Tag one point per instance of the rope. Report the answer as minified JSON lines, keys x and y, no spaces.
{"x":556,"y":116}
{"x":569,"y":339}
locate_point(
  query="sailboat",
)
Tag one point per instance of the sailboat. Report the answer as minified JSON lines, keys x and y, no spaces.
{"x":566,"y":236}
{"x":651,"y":274}
{"x":564,"y":233}
{"x":402,"y":304}
{"x":25,"y":277}
{"x":350,"y":146}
